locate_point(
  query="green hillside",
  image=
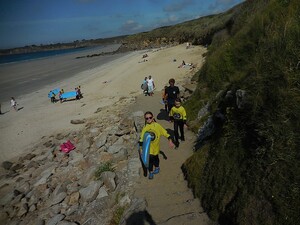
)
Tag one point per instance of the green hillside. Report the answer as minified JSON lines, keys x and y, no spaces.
{"x":248,"y":171}
{"x":198,"y":31}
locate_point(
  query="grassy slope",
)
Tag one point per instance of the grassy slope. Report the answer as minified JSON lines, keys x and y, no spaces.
{"x":248,"y":173}
{"x":198,"y":31}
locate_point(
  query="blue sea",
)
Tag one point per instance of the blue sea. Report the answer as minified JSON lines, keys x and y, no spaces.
{"x":37,"y":55}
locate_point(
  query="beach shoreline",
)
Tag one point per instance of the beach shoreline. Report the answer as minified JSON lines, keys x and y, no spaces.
{"x":102,"y":86}
{"x":25,"y":77}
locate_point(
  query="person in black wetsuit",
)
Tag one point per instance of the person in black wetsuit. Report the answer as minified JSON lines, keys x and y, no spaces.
{"x":172,"y":93}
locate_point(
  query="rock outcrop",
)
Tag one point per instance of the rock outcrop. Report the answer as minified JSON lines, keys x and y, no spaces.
{"x":50,"y":187}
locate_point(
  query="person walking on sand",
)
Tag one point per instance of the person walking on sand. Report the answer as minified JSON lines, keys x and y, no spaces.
{"x":144,"y":86}
{"x":156,"y":131}
{"x":13,"y":103}
{"x":52,"y":97}
{"x":172,"y":93}
{"x":60,"y":95}
{"x":151,"y":85}
{"x":178,"y":116}
{"x":164,"y":99}
{"x":187,"y":45}
{"x":79,"y":92}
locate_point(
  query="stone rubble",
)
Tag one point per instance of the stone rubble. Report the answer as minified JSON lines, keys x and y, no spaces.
{"x":49,"y":187}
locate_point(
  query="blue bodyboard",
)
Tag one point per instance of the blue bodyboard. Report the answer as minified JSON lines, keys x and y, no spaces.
{"x":70,"y":94}
{"x":55,"y":91}
{"x":146,"y":148}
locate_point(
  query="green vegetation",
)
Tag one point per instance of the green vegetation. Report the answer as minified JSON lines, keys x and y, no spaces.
{"x":117,"y":215}
{"x":249,"y":173}
{"x":194,"y":167}
{"x":102,"y":168}
{"x":118,"y":210}
{"x":198,"y":31}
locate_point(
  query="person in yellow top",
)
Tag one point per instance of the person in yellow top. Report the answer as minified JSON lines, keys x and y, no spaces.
{"x":178,"y":116}
{"x":156,"y":131}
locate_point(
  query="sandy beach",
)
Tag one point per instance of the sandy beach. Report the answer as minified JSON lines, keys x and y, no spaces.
{"x":103,"y":81}
{"x":26,"y":77}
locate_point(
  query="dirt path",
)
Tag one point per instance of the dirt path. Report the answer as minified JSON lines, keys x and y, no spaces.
{"x":169,"y":200}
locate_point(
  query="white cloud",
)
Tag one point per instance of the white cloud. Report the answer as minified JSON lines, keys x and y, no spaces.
{"x":221,"y":5}
{"x":225,"y":1}
{"x":177,"y":6}
{"x":160,"y":22}
{"x":131,"y":26}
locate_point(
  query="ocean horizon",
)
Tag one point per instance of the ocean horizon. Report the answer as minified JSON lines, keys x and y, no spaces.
{"x":13,"y":58}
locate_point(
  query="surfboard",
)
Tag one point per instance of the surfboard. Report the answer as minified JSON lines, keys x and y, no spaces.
{"x":55,"y":91}
{"x":145,"y":170}
{"x":70,"y":94}
{"x":146,"y":148}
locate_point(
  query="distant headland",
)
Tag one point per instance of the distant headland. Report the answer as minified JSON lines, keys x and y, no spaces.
{"x":59,"y":46}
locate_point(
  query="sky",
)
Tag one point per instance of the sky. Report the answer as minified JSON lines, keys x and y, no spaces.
{"x":36,"y":22}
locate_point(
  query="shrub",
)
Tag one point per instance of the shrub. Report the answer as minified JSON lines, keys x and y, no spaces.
{"x":251,"y":173}
{"x":102,"y":168}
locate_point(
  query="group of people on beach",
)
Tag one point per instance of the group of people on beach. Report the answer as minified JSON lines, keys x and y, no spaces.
{"x":176,"y":114}
{"x":148,"y":86}
{"x":61,"y":99}
{"x":13,"y":102}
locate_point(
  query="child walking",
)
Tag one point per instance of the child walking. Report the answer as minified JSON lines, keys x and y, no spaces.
{"x":164,"y":99}
{"x":178,"y":116}
{"x":13,"y":104}
{"x":156,"y":131}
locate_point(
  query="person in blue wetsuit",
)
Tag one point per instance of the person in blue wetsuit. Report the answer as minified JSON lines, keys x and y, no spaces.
{"x":156,"y":131}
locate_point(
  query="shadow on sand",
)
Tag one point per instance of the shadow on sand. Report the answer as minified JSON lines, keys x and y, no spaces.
{"x":70,"y":100}
{"x":140,"y":218}
{"x":163,"y":115}
{"x":171,"y":132}
{"x":163,"y":154}
{"x":2,"y":113}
